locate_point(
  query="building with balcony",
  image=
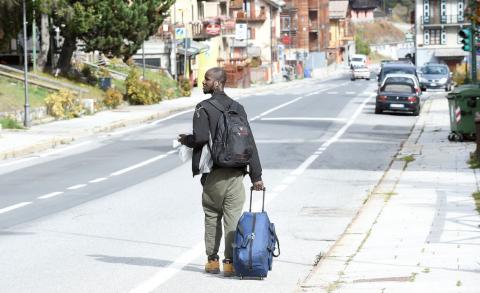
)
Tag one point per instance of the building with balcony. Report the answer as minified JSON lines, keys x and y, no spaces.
{"x":341,"y":43}
{"x":437,"y":25}
{"x":305,"y":32}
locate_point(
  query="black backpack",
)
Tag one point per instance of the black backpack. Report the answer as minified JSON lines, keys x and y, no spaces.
{"x":232,"y":146}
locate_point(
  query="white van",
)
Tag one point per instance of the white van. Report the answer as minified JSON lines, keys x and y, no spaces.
{"x":358,"y":60}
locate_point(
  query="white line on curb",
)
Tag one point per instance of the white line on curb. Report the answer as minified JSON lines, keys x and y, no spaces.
{"x":15,"y":206}
{"x":49,"y":195}
{"x":165,"y":273}
{"x":78,"y":186}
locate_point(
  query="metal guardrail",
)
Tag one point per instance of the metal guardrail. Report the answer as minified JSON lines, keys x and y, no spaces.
{"x":39,"y":80}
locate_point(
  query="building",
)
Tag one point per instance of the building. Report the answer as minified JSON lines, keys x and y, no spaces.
{"x":341,"y":41}
{"x":305,"y":32}
{"x":363,"y":10}
{"x":437,"y":25}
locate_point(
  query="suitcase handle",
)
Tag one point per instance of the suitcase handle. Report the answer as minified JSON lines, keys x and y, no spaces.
{"x":263,"y":200}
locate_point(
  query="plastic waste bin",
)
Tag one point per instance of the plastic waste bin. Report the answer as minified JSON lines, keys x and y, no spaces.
{"x":105,"y":83}
{"x":463,"y":103}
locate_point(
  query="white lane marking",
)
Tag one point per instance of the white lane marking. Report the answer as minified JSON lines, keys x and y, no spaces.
{"x":332,"y":93}
{"x":18,"y":161}
{"x":78,"y":186}
{"x":350,"y":93}
{"x":276,"y":108}
{"x":48,"y":153}
{"x":289,"y":180}
{"x":311,"y":94}
{"x":280,"y":188}
{"x":144,"y":163}
{"x":97,"y":180}
{"x":165,"y":273}
{"x":171,"y":116}
{"x":304,"y":119}
{"x":51,"y":194}
{"x":15,"y":206}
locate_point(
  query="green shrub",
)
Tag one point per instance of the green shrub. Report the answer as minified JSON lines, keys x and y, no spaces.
{"x":89,"y":75}
{"x":63,"y":105}
{"x":142,"y":92}
{"x":9,"y":123}
{"x":361,"y":46}
{"x":185,"y":87}
{"x":113,"y":98}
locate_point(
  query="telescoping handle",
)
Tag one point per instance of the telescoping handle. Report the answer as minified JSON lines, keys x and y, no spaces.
{"x":263,"y":200}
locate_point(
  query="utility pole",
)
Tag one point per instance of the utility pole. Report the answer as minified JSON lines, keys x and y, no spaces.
{"x":143,"y":59}
{"x":34,"y":39}
{"x":26,"y":119}
{"x":173,"y":54}
{"x":271,"y":45}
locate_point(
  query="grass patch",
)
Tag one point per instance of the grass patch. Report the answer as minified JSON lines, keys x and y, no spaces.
{"x":459,"y":283}
{"x":408,"y":159}
{"x":426,"y":270}
{"x":473,"y":162}
{"x":9,"y":123}
{"x":476,"y":197}
{"x":412,"y":277}
{"x":12,"y":95}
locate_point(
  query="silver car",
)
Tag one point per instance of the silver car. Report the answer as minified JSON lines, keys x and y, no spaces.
{"x":436,"y":76}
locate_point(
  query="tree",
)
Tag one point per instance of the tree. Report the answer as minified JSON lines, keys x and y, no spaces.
{"x":114,"y":27}
{"x":10,"y":20}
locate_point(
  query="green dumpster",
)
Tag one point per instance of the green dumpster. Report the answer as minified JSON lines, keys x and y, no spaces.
{"x":463,"y":103}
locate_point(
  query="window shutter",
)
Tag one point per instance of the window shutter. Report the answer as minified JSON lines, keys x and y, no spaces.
{"x":426,"y":37}
{"x":460,"y":10}
{"x":443,"y":37}
{"x":443,"y":11}
{"x":426,"y":11}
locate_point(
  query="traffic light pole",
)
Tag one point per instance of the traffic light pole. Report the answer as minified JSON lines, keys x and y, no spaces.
{"x":473,"y":45}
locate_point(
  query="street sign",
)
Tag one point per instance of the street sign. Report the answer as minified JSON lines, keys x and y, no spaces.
{"x":240,"y":31}
{"x":180,"y":33}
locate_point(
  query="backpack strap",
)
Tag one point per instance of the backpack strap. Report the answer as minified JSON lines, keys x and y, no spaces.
{"x":217,"y":105}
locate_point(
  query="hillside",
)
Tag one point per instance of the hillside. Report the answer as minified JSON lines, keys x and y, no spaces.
{"x":379,"y":32}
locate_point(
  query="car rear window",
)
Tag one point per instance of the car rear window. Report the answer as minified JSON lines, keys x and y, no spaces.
{"x":398,"y":88}
{"x":357,"y":59}
{"x":435,"y":70}
{"x":398,"y":79}
{"x":398,"y":70}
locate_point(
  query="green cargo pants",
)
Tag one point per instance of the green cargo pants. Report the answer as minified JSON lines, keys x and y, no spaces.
{"x":223,"y":196}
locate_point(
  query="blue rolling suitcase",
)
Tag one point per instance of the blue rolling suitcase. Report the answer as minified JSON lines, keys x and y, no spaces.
{"x":254,"y":243}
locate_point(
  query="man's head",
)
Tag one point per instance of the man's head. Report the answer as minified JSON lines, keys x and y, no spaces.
{"x":215,"y":79}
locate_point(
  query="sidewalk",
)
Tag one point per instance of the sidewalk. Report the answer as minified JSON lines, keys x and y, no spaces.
{"x":419,"y":230}
{"x":15,"y":143}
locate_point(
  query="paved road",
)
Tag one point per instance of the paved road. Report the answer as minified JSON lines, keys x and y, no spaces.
{"x":120,"y":213}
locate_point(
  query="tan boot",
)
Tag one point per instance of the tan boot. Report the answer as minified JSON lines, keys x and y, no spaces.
{"x":213,"y":265}
{"x":228,"y":270}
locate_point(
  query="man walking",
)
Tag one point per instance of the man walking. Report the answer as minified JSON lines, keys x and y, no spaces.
{"x":223,"y":193}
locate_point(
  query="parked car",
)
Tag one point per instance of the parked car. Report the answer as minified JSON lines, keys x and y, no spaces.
{"x":435,"y":76}
{"x":402,"y":78}
{"x":362,"y":72}
{"x":396,"y":67}
{"x":398,"y":95}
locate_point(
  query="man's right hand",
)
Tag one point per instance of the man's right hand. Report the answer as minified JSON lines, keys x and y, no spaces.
{"x":182,"y":138}
{"x":258,"y":186}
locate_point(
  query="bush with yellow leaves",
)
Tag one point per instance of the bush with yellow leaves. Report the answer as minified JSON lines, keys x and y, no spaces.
{"x":142,"y":92}
{"x":113,"y":98}
{"x":63,"y":105}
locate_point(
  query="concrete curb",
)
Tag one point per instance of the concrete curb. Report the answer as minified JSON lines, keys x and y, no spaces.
{"x":327,"y":273}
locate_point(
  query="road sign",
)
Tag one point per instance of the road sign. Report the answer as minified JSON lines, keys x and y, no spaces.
{"x":180,"y":33}
{"x":240,"y":31}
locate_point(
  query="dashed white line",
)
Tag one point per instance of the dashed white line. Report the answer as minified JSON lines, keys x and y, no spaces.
{"x":49,"y":195}
{"x":78,"y":186}
{"x":98,"y":180}
{"x":275,"y":108}
{"x":14,"y":207}
{"x":350,"y":93}
{"x":144,"y":163}
{"x":332,"y":93}
{"x":304,"y":119}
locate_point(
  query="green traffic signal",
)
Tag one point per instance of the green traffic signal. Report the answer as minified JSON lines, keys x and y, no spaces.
{"x":466,"y":35}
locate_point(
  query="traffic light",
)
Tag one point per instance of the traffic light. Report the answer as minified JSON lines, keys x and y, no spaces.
{"x":466,"y":35}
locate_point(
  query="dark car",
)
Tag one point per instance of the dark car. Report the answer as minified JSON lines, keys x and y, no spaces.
{"x":436,"y":76}
{"x":399,"y":96}
{"x":396,"y":67}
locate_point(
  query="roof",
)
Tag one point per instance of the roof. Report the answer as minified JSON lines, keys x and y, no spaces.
{"x":275,"y":3}
{"x":337,"y":9}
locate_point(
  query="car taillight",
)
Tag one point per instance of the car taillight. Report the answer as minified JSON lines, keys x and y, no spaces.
{"x":412,"y":99}
{"x":382,"y":98}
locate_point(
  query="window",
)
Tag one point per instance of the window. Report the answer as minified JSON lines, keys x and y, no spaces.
{"x":285,"y":23}
{"x":435,"y":36}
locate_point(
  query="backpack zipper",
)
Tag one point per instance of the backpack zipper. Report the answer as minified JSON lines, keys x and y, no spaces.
{"x":251,"y":241}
